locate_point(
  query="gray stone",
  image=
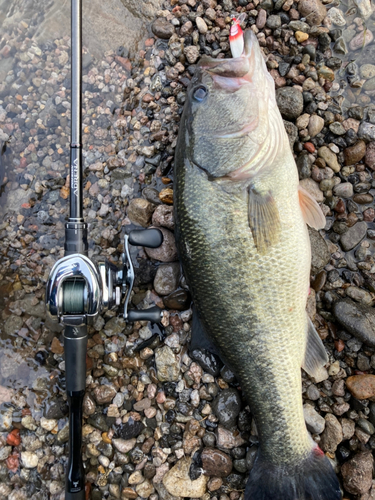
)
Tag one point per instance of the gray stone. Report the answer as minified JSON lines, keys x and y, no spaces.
{"x":5,"y":451}
{"x":167,"y":278}
{"x":320,"y":255}
{"x":114,"y":326}
{"x":357,"y":319}
{"x":337,"y":129}
{"x":292,"y":132}
{"x":167,"y":366}
{"x":313,"y":392}
{"x":162,"y":28}
{"x":366,"y":131}
{"x":273,"y":22}
{"x":227,"y":406}
{"x":13,"y":324}
{"x":366,"y":426}
{"x":314,"y":422}
{"x":353,"y":236}
{"x":316,"y":123}
{"x":332,"y":435}
{"x":290,"y":102}
{"x":344,"y":190}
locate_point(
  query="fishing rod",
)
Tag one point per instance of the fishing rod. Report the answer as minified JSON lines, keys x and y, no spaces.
{"x":78,"y":290}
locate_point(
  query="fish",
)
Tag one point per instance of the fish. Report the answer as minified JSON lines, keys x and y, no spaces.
{"x":242,"y":238}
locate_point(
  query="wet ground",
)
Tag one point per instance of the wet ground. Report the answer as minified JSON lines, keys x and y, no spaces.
{"x":135,"y":75}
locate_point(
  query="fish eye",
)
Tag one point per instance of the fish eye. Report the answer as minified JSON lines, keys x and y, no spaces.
{"x":200,"y":93}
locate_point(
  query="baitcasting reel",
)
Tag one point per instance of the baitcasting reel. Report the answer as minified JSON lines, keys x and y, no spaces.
{"x":78,"y":290}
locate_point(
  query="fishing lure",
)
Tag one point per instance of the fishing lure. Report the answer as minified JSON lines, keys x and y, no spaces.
{"x":236,"y":35}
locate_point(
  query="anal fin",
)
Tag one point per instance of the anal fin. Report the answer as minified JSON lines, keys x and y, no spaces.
{"x":311,"y":211}
{"x":315,"y":354}
{"x":264,"y":219}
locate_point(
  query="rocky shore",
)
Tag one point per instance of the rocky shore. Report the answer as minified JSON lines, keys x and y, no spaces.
{"x":162,"y":421}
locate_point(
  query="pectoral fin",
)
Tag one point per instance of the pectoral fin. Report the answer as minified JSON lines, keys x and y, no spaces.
{"x":315,"y":354}
{"x":311,"y":211}
{"x":264,"y":220}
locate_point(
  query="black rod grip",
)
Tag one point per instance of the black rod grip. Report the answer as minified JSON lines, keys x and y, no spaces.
{"x":151,"y":238}
{"x":152,"y":314}
{"x":75,"y":496}
{"x":75,"y":474}
{"x":75,"y":347}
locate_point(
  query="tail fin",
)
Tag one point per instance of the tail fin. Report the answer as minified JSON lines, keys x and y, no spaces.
{"x":313,"y":479}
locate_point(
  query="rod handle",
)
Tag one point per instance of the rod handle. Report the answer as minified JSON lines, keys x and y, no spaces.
{"x":80,"y":495}
{"x":151,"y":238}
{"x":75,"y":346}
{"x":152,"y":314}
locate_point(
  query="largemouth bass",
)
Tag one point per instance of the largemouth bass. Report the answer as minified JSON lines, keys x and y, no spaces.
{"x":244,"y":245}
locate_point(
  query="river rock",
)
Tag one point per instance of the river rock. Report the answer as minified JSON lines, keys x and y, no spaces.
{"x":145,"y":489}
{"x":29,"y":459}
{"x":370,"y":155}
{"x":357,"y":319}
{"x":167,"y":252}
{"x":124,"y":445}
{"x":353,"y":236}
{"x":130,"y":429}
{"x":163,"y":216}
{"x":140,"y":211}
{"x":104,"y":394}
{"x":330,"y":158}
{"x":167,"y":278}
{"x":216,"y":463}
{"x":162,"y":28}
{"x":361,"y":40}
{"x":320,"y":255}
{"x":332,"y":434}
{"x":357,"y":473}
{"x":227,"y":406}
{"x":366,"y":131}
{"x":355,"y":153}
{"x":227,"y":439}
{"x":314,"y":422}
{"x":343,"y":190}
{"x":313,"y":10}
{"x":290,"y":102}
{"x":316,"y":123}
{"x":201,"y":25}
{"x":362,"y":386}
{"x":167,"y":366}
{"x":178,"y":483}
{"x":336,"y":17}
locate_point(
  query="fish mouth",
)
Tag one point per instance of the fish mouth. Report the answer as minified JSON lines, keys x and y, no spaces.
{"x":230,"y":74}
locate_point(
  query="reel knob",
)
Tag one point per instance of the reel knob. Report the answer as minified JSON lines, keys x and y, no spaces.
{"x":151,"y":238}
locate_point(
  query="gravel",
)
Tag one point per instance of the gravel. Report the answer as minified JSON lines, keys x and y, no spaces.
{"x":152,"y":406}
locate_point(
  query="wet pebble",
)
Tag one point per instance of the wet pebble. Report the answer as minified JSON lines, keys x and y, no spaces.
{"x":167,"y":278}
{"x":290,"y":102}
{"x":357,"y":319}
{"x":227,"y":406}
{"x":314,"y":422}
{"x":332,"y":434}
{"x":216,"y":463}
{"x":162,"y":28}
{"x":353,"y":236}
{"x":178,"y":483}
{"x":357,"y":473}
{"x":361,"y":386}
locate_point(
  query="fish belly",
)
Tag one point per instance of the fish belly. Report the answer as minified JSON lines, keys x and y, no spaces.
{"x":252,"y":305}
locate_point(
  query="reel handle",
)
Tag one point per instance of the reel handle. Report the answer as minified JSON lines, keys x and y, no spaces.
{"x":153,"y":314}
{"x":151,"y":238}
